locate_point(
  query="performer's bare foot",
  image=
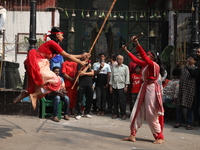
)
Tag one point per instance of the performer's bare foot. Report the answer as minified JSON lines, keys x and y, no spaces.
{"x":34,"y":97}
{"x":159,"y":141}
{"x":130,"y":138}
{"x":22,"y":95}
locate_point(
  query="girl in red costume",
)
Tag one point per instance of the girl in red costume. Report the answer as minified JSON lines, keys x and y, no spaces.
{"x":41,"y":80}
{"x":149,"y":101}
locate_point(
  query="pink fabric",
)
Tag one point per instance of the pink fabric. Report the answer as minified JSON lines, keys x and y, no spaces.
{"x":51,"y":81}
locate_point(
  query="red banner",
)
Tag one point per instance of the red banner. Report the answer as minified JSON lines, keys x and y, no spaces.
{"x":181,"y":4}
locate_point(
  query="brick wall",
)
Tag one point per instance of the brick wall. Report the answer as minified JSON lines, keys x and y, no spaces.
{"x":22,"y":108}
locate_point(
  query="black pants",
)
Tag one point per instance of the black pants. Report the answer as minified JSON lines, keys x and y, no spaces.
{"x":101,"y":98}
{"x":109,"y":101}
{"x":119,"y":100}
{"x":88,"y":91}
{"x":197,"y":104}
{"x":133,"y":99}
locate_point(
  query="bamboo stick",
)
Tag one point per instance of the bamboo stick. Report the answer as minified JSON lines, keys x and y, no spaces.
{"x":91,"y":48}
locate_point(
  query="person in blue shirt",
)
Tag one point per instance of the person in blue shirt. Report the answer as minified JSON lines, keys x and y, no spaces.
{"x":57,"y":96}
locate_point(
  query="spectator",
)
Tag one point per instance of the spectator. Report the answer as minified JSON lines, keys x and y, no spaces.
{"x":136,"y":81}
{"x":170,"y":91}
{"x":186,"y":93}
{"x":118,"y":87}
{"x":131,"y":67}
{"x":132,"y":64}
{"x":69,"y":70}
{"x":196,"y":73}
{"x":112,"y":62}
{"x":57,"y":61}
{"x":57,"y":96}
{"x":85,"y":88}
{"x":102,"y":71}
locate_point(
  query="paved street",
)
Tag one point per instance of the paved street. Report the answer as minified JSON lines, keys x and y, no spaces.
{"x":98,"y":133}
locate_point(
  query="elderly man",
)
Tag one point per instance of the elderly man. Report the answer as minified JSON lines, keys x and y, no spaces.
{"x":119,"y":81}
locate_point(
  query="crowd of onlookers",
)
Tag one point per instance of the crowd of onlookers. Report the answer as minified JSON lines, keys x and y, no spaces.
{"x":183,"y":91}
{"x":105,"y":87}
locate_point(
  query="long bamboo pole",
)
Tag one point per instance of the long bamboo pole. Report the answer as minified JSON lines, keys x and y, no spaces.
{"x":91,"y":48}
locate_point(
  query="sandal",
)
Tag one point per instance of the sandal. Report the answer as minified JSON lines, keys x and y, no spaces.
{"x":114,"y":116}
{"x":123,"y":117}
{"x":177,"y":125}
{"x":189,"y":127}
{"x":99,"y":113}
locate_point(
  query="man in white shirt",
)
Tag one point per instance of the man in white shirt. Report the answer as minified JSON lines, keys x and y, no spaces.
{"x":102,"y":71}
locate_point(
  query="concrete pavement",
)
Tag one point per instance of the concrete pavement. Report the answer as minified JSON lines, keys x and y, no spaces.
{"x":98,"y":133}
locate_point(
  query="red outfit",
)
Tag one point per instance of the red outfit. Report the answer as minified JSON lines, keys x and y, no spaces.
{"x":70,"y":68}
{"x":37,"y":67}
{"x":131,"y":67}
{"x":164,"y":84}
{"x":149,"y":102}
{"x":136,"y":80}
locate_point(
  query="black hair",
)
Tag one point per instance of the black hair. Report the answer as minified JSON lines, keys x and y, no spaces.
{"x":53,"y":36}
{"x":194,"y":56}
{"x":158,"y":60}
{"x":137,"y":66}
{"x":54,"y":68}
{"x":176,"y":72}
{"x":154,"y":55}
{"x":101,"y":54}
{"x":113,"y":57}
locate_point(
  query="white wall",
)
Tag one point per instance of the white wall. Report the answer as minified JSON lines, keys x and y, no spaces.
{"x":18,"y":22}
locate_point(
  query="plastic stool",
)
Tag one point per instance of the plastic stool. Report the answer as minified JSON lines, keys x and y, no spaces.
{"x":45,"y":103}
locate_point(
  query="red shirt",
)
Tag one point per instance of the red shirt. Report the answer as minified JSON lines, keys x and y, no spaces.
{"x":136,"y":82}
{"x":70,"y":68}
{"x":49,"y":48}
{"x":131,"y":67}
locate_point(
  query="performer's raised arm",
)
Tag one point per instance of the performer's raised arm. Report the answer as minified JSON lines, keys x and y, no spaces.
{"x":143,"y":54}
{"x":134,"y":58}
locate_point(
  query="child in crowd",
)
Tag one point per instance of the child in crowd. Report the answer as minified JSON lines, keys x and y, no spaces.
{"x":136,"y":80}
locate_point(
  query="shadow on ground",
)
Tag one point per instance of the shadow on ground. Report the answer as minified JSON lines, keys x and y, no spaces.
{"x":5,"y":132}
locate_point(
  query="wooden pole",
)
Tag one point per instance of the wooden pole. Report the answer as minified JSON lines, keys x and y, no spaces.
{"x":95,"y":40}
